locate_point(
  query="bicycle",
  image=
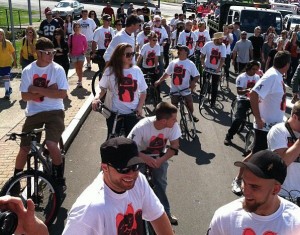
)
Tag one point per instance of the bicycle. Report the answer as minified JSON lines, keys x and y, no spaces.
{"x":95,"y":81}
{"x":152,"y":98}
{"x":293,"y":196}
{"x":36,"y":181}
{"x":205,"y":91}
{"x":117,"y":119}
{"x":246,"y":125}
{"x":187,"y":124}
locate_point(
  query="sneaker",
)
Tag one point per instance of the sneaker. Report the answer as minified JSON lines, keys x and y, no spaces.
{"x":8,"y":93}
{"x":236,"y":187}
{"x":79,"y":85}
{"x":173,"y":219}
{"x":227,"y":140}
{"x":195,"y":119}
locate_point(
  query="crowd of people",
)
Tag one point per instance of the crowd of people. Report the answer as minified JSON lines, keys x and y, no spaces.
{"x":139,"y":42}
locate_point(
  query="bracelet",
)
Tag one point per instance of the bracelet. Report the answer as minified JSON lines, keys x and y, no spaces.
{"x":175,"y":150}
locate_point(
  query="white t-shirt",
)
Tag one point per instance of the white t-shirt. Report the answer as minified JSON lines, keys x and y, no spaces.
{"x":202,"y":38}
{"x":232,"y":219}
{"x":125,"y":99}
{"x":213,"y":54}
{"x":181,"y":72}
{"x":103,"y":37}
{"x":280,"y":138}
{"x":147,"y":137}
{"x":162,"y":35}
{"x":43,"y":77}
{"x":245,"y":81}
{"x":226,"y":41}
{"x":121,"y":37}
{"x":271,"y":91}
{"x":149,"y":53}
{"x":141,"y":39}
{"x":101,"y":211}
{"x":188,"y":39}
{"x":87,"y":28}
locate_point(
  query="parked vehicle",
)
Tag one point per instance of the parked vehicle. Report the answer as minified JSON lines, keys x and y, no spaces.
{"x":284,"y":7}
{"x":189,"y":5}
{"x":292,"y":22}
{"x":68,"y":7}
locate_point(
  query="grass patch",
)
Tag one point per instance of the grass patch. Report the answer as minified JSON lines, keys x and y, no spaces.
{"x":19,"y":17}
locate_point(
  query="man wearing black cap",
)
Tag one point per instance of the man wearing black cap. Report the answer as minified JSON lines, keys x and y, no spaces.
{"x":119,"y":198}
{"x":181,"y":70}
{"x":261,"y":210}
{"x":142,"y":37}
{"x":48,"y":26}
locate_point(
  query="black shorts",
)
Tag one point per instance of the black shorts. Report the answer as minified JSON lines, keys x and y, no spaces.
{"x":260,"y":140}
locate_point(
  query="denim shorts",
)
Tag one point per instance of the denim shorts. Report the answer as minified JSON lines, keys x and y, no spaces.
{"x":77,"y":58}
{"x":5,"y":71}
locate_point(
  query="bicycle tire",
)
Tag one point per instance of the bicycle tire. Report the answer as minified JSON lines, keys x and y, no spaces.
{"x":97,"y":76}
{"x":148,"y":229}
{"x":46,"y":210}
{"x":249,"y":141}
{"x":189,"y":124}
{"x":151,"y":101}
{"x":203,"y":95}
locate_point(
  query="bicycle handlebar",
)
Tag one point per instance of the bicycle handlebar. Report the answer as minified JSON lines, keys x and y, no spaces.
{"x":212,"y":71}
{"x":13,"y":136}
{"x":102,"y":106}
{"x":175,"y":92}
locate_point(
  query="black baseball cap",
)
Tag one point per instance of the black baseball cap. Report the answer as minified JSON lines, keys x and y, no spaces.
{"x":267,"y":165}
{"x":120,"y":152}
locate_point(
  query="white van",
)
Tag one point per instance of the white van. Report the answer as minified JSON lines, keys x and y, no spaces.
{"x":284,"y":7}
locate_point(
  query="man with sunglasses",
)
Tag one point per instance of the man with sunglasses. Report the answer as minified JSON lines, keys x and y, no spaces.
{"x":151,"y":135}
{"x":44,"y":86}
{"x":125,"y":36}
{"x":101,"y":40}
{"x":119,"y":198}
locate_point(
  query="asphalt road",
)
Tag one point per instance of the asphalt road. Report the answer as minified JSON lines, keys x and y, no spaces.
{"x":199,"y":177}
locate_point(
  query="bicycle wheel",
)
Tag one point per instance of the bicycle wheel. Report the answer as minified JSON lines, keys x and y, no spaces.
{"x":46,"y":199}
{"x":249,"y":141}
{"x":95,"y":81}
{"x":188,"y":122}
{"x":148,"y":228}
{"x":151,"y":101}
{"x":203,"y":95}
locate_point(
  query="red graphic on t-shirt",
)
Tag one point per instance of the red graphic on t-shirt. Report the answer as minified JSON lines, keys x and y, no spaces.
{"x":157,"y":144}
{"x":189,"y":42}
{"x":146,"y":40}
{"x":201,"y":41}
{"x":40,"y":81}
{"x":250,"y":84}
{"x":107,"y":38}
{"x":178,"y":75}
{"x":150,"y":58}
{"x":130,"y":223}
{"x":249,"y":231}
{"x":226,"y":41}
{"x":283,"y":100}
{"x":215,"y":56}
{"x":158,"y":34}
{"x":127,"y":88}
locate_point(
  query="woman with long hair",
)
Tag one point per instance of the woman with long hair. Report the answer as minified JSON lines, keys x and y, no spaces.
{"x":93,"y":15}
{"x":68,"y":26}
{"x":7,"y":59}
{"x":266,"y":48}
{"x":28,"y":52}
{"x":127,"y":88}
{"x":62,"y":50}
{"x":78,"y":46}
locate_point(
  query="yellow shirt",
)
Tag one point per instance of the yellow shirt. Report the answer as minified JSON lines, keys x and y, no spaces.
{"x":6,"y":58}
{"x":26,"y":49}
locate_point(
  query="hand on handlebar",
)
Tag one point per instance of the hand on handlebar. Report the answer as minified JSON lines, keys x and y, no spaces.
{"x":149,"y":161}
{"x":95,"y":104}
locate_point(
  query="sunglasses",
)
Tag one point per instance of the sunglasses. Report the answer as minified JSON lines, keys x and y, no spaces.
{"x":119,"y":24}
{"x":126,"y":170}
{"x":56,"y":34}
{"x":30,"y":32}
{"x":154,"y":40}
{"x":48,"y":52}
{"x":129,"y":54}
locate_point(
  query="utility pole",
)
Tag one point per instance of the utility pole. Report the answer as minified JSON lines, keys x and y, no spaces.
{"x":11,"y":23}
{"x":29,"y":12}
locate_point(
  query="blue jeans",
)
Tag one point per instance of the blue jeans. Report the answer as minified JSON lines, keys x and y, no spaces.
{"x":160,"y":185}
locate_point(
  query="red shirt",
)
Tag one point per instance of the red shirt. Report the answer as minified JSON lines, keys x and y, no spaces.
{"x":109,"y":11}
